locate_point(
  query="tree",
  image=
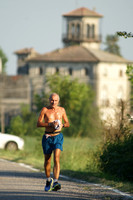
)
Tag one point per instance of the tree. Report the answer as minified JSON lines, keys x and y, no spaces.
{"x":125,"y":34}
{"x":25,"y":124}
{"x":129,"y":67}
{"x":111,"y":44}
{"x":129,"y":72}
{"x":78,"y":100}
{"x":4,"y":60}
{"x":17,"y":126}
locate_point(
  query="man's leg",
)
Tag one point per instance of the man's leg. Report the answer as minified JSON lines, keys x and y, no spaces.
{"x":56,"y":170}
{"x":56,"y":163}
{"x":47,"y":167}
{"x":47,"y":164}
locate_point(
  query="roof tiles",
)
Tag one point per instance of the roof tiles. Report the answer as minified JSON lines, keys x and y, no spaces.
{"x":25,"y":51}
{"x":75,"y":53}
{"x":82,"y":12}
{"x":78,"y":53}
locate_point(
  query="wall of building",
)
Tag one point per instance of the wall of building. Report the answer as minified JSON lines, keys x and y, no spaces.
{"x":14,"y":91}
{"x":83,"y":71}
{"x":112,"y":87}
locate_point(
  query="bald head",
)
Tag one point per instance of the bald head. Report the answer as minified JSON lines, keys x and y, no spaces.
{"x":54,"y":94}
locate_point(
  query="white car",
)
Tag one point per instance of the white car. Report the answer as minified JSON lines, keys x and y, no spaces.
{"x":11,"y":142}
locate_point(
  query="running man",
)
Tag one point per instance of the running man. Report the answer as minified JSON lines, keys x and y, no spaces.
{"x":52,"y":141}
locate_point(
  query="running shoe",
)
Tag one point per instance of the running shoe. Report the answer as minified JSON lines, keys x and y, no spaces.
{"x":49,"y":185}
{"x":56,"y":186}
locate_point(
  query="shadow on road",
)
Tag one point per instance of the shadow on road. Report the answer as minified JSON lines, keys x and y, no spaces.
{"x":57,"y":196}
{"x":21,"y":174}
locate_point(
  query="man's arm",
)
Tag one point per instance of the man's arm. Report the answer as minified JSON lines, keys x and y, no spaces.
{"x":40,"y":122}
{"x":64,"y":116}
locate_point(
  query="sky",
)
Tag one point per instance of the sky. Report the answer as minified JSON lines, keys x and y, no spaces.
{"x":38,"y":24}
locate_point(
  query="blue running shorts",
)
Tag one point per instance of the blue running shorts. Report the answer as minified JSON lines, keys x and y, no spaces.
{"x":51,"y":143}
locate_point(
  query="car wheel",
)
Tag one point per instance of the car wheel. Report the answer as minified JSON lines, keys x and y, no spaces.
{"x":12,"y":146}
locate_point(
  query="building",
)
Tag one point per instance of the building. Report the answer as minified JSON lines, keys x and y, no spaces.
{"x":81,"y":58}
{"x":15,"y":91}
{"x":22,"y":65}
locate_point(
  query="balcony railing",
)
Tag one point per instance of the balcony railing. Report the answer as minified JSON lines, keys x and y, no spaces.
{"x":80,"y":38}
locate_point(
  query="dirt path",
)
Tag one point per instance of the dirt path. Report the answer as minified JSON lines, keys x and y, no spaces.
{"x":17,"y":182}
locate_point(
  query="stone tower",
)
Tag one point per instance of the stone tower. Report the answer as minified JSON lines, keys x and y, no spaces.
{"x":81,"y":26}
{"x":22,"y":56}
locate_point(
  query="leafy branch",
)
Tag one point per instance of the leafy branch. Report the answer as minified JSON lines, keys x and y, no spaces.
{"x":125,"y":34}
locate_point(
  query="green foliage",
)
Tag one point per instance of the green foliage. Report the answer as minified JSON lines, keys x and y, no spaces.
{"x":4,"y":60}
{"x":129,"y":73}
{"x":124,"y":34}
{"x":115,"y":155}
{"x":77,"y":99}
{"x":25,"y":124}
{"x":40,"y":101}
{"x":117,"y":158}
{"x":17,"y":126}
{"x":111,"y":44}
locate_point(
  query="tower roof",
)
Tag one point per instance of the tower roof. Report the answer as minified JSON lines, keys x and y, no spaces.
{"x":82,"y":12}
{"x":25,"y":51}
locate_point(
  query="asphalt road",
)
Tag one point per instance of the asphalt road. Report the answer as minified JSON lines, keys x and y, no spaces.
{"x":20,"y":183}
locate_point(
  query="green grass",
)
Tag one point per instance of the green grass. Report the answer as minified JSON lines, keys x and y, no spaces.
{"x":75,"y":153}
{"x":27,"y":156}
{"x":76,"y":160}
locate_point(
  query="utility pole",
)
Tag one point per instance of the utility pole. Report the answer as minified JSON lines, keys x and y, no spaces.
{"x":2,"y":119}
{"x":2,"y":110}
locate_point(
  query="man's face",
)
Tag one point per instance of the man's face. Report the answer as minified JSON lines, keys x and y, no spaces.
{"x":54,"y":101}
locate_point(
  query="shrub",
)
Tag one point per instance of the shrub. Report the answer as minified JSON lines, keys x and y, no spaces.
{"x":117,"y":158}
{"x":17,"y":127}
{"x":116,"y":152}
{"x":25,"y":124}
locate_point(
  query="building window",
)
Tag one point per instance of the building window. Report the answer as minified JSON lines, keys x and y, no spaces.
{"x":104,"y":97}
{"x":119,"y":96}
{"x":120,"y":73}
{"x":57,"y":70}
{"x":40,"y":70}
{"x":86,"y":71}
{"x":73,"y":30}
{"x":27,"y":69}
{"x":93,"y":31}
{"x":78,"y":30}
{"x":88,"y":31}
{"x":70,"y":71}
{"x":105,"y":72}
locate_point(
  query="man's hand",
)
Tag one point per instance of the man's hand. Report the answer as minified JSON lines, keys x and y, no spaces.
{"x":62,"y":126}
{"x":57,"y":124}
{"x":51,"y":124}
